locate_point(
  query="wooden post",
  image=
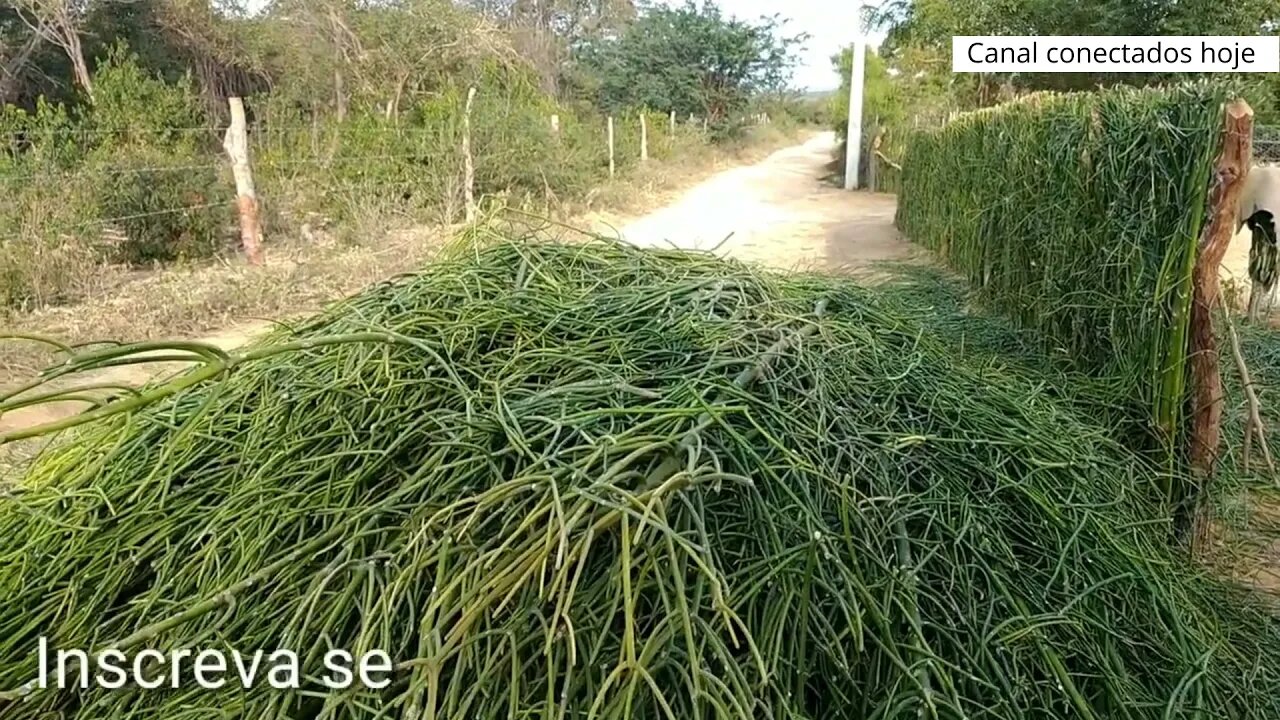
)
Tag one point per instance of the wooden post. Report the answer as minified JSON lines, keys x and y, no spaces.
{"x":1206,"y":378}
{"x":644,"y":138}
{"x":673,"y":123}
{"x":612,"y":167}
{"x":555,"y":125}
{"x":236,"y":143}
{"x":468,"y":168}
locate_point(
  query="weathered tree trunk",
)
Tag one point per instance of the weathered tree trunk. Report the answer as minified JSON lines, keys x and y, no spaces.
{"x":78,"y":65}
{"x":1206,"y":378}
{"x":236,"y":143}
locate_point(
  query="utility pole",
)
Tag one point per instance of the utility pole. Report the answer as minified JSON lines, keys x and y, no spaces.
{"x":858,"y":74}
{"x":853,"y":156}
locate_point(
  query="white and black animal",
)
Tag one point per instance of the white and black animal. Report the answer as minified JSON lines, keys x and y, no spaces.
{"x":1259,"y":209}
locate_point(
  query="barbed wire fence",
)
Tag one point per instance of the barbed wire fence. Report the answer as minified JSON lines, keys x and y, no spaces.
{"x":121,"y":198}
{"x":77,"y":200}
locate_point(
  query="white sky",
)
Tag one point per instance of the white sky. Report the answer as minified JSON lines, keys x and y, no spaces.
{"x":831,"y":23}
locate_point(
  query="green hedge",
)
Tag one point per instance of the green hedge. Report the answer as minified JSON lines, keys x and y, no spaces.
{"x":1077,"y":216}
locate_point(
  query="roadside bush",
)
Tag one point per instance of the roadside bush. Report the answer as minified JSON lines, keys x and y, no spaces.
{"x":153,"y":161}
{"x":160,"y":207}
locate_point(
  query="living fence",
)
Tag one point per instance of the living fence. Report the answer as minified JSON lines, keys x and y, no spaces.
{"x":1098,"y":220}
{"x":76,"y":196}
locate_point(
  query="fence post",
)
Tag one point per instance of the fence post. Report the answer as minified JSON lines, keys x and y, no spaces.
{"x":468,"y":168}
{"x":612,"y":167}
{"x":236,"y":143}
{"x":1206,"y":378}
{"x":644,"y":138}
{"x":555,"y":125}
{"x":673,"y":123}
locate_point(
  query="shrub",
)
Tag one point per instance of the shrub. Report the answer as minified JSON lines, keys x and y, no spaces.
{"x":154,"y":164}
{"x":48,"y":241}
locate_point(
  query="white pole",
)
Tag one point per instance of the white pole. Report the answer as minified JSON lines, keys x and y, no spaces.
{"x":853,"y":157}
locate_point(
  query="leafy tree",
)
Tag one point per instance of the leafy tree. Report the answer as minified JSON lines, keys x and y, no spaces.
{"x":60,"y":22}
{"x":543,"y":31}
{"x":690,"y":59}
{"x":922,"y":30}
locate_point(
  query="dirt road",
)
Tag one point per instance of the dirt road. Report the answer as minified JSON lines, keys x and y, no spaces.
{"x":779,"y":211}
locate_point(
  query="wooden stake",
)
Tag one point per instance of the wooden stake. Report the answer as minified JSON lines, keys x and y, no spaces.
{"x":612,"y":168}
{"x":236,"y":143}
{"x":644,"y":139}
{"x":555,"y":125}
{"x":468,"y":168}
{"x":1206,"y":378}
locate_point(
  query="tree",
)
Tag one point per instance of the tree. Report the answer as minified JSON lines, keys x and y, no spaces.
{"x":690,"y":59}
{"x":544,"y":31}
{"x":17,"y":46}
{"x":418,"y":43}
{"x":923,"y":28}
{"x":59,"y":22}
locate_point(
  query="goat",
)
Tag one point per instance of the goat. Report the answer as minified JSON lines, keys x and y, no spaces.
{"x":1258,"y":209}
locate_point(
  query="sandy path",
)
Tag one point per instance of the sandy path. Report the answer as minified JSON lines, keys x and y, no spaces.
{"x":778,"y":211}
